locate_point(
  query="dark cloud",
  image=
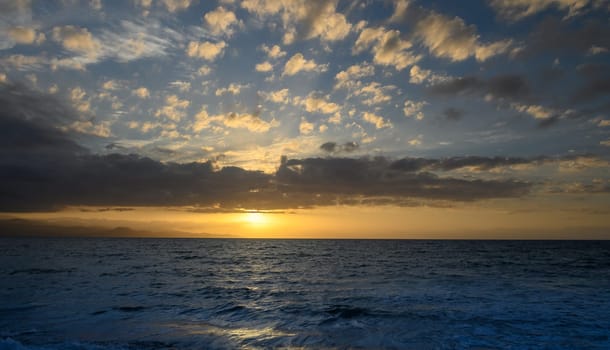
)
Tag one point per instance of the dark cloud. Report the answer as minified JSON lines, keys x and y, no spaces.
{"x":592,"y":90}
{"x":453,"y":114}
{"x":377,"y":177}
{"x":333,"y":147}
{"x":503,"y":86}
{"x":454,"y":163}
{"x":556,"y":36}
{"x":45,"y":169}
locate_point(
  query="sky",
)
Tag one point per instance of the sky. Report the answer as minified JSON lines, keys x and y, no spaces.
{"x":325,"y":119}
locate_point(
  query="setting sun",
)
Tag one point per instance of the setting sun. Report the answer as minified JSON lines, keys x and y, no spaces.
{"x":256,"y":218}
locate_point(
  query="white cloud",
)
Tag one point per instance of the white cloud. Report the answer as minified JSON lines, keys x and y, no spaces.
{"x":279,"y":96}
{"x":317,"y":104}
{"x":595,"y":50}
{"x":207,"y":50}
{"x":204,"y":70}
{"x":419,"y":75}
{"x":110,"y":85}
{"x":248,"y":121}
{"x":416,"y":141}
{"x":176,"y":5}
{"x":453,"y":39}
{"x":347,"y":78}
{"x":536,"y":111}
{"x":174,"y":108}
{"x":220,"y":21}
{"x":233,"y":88}
{"x":376,"y":93}
{"x":298,"y":63}
{"x":25,"y":35}
{"x":183,"y":86}
{"x":305,"y":127}
{"x":273,"y":52}
{"x":141,"y":92}
{"x":264,"y":67}
{"x":414,"y":109}
{"x":387,"y":47}
{"x":22,"y":62}
{"x":303,"y":19}
{"x":376,"y":120}
{"x":78,"y":40}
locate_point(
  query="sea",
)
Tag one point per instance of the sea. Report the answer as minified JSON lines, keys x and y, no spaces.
{"x":109,"y":293}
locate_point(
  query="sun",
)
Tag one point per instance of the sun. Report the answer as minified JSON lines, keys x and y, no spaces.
{"x":256,"y":218}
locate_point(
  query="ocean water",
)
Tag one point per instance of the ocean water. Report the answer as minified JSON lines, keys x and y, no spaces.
{"x":301,"y":294}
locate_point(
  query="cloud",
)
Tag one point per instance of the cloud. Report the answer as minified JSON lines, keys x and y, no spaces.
{"x":273,"y":52}
{"x":297,"y":63}
{"x":279,"y":96}
{"x":596,"y":88}
{"x":233,"y":88}
{"x":376,"y":120}
{"x":376,"y":93}
{"x":536,"y":111}
{"x":453,"y":113}
{"x":314,"y":104}
{"x":248,"y":121}
{"x":337,"y":179}
{"x":515,"y":10}
{"x":141,"y":92}
{"x":174,"y":108}
{"x":305,"y":127}
{"x":220,"y":21}
{"x":176,"y":5}
{"x":387,"y":47}
{"x":78,"y":40}
{"x":553,"y":36}
{"x":264,"y":67}
{"x":413,"y":109}
{"x":44,"y":169}
{"x":333,"y":147}
{"x":502,"y":86}
{"x":348,"y":78}
{"x":207,"y":50}
{"x":22,"y":62}
{"x":26,"y":35}
{"x":451,"y":38}
{"x":303,"y":19}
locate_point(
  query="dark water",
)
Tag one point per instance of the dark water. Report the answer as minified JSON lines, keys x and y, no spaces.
{"x":226,"y":294}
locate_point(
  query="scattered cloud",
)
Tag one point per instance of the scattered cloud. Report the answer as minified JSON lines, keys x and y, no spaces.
{"x":274,"y":51}
{"x":174,"y":108}
{"x":305,"y":127}
{"x":26,"y":35}
{"x":453,"y":39}
{"x":387,"y":46}
{"x":515,"y":10}
{"x":207,"y":50}
{"x":264,"y":67}
{"x":173,"y":5}
{"x":315,"y":104}
{"x":302,"y":19}
{"x":141,"y":92}
{"x":376,"y":120}
{"x":220,"y":21}
{"x":298,"y":63}
{"x":233,"y":88}
{"x":414,"y":109}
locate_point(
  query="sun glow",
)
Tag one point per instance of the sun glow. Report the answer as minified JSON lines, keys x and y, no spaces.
{"x":256,"y":218}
